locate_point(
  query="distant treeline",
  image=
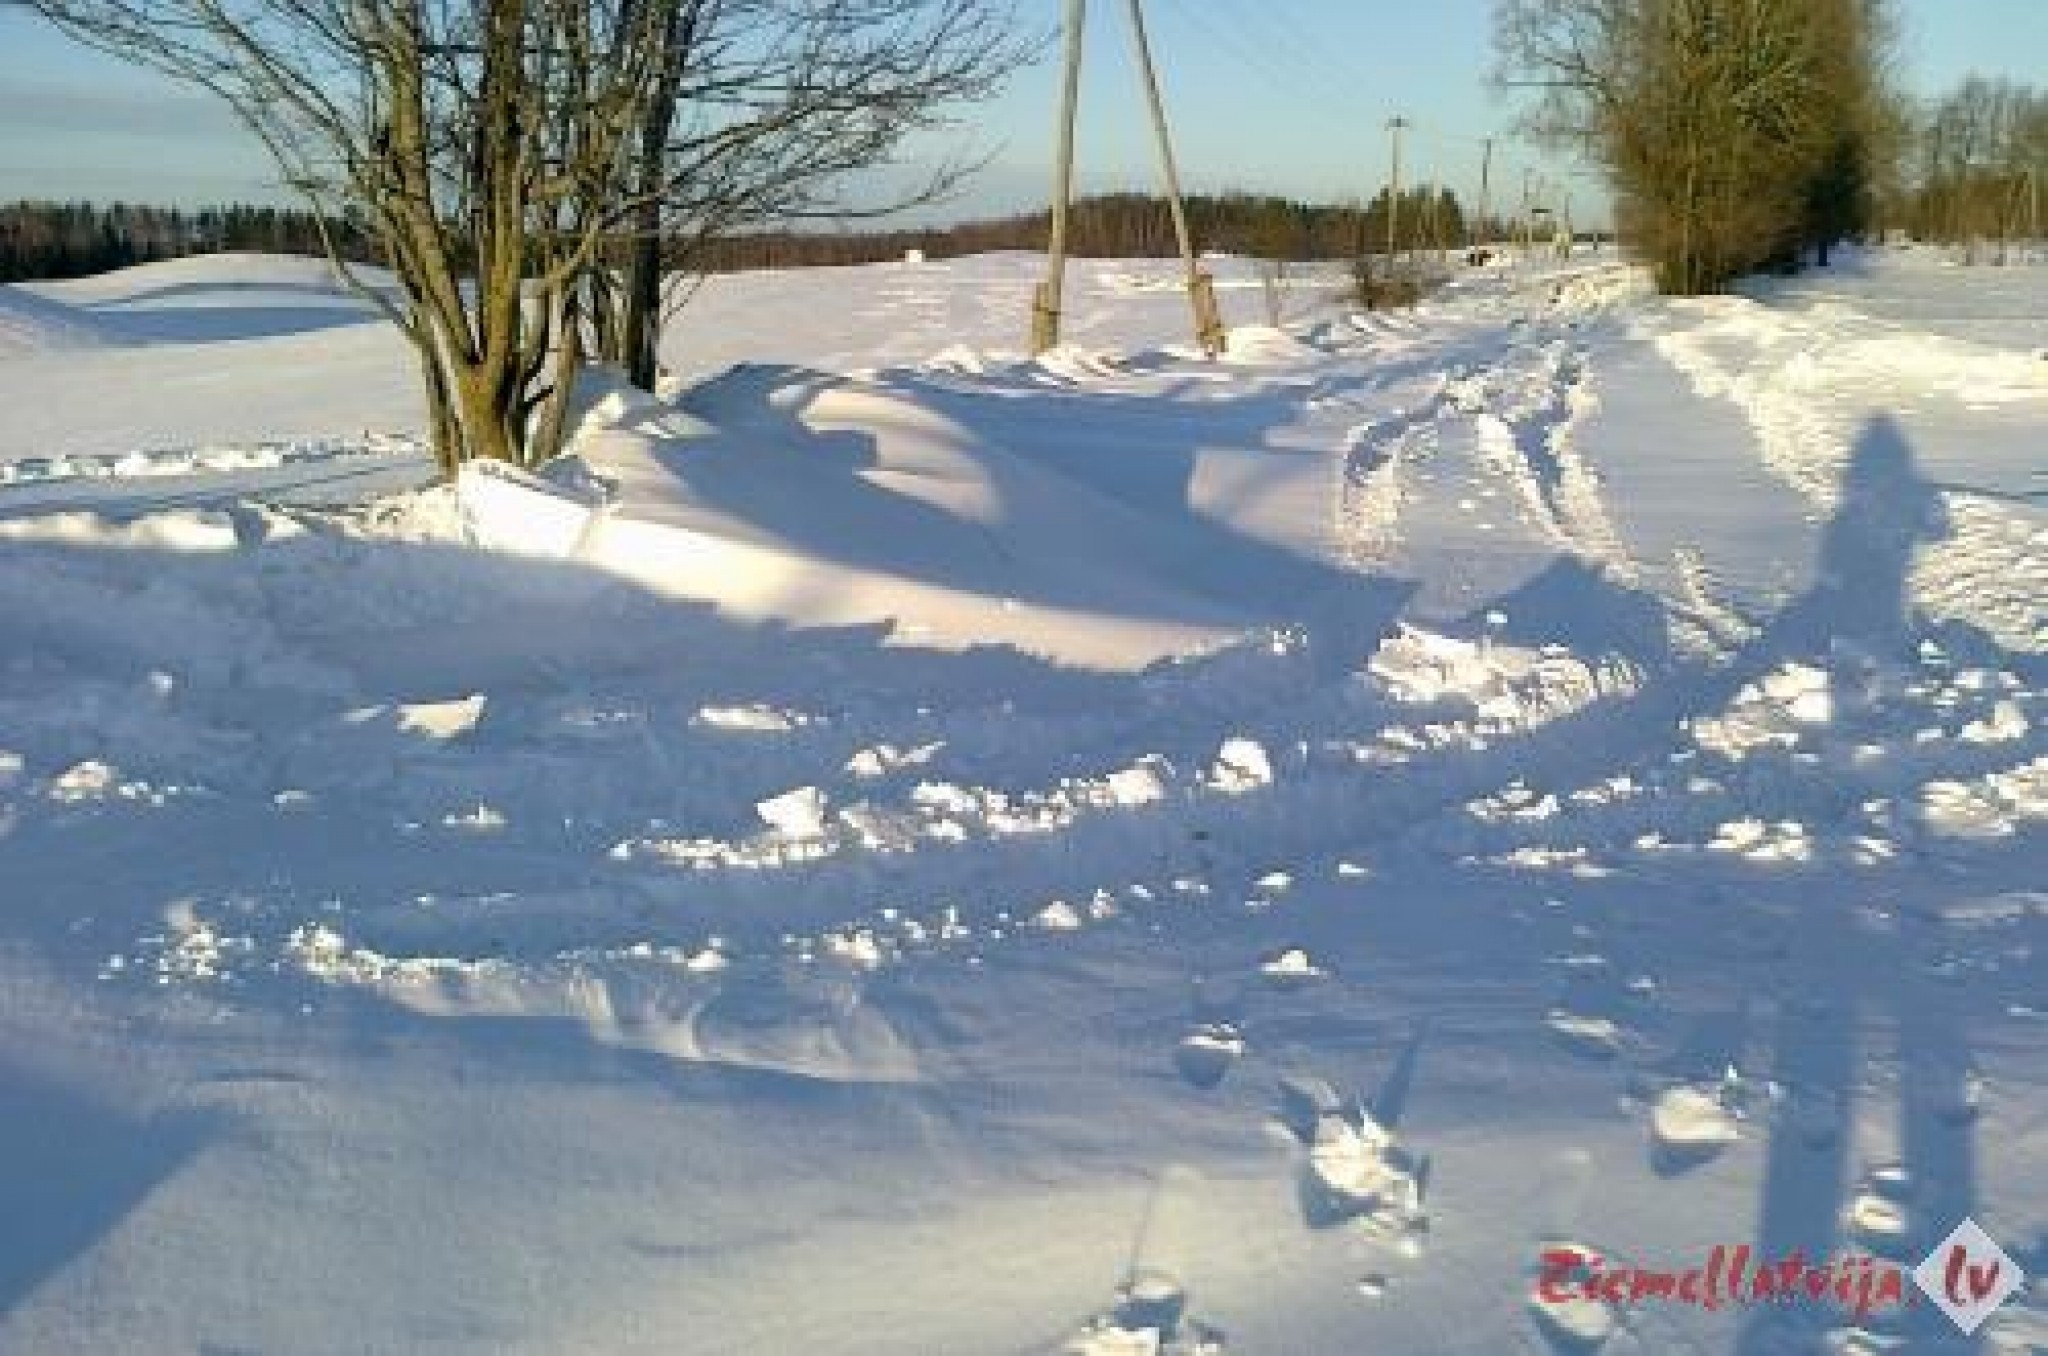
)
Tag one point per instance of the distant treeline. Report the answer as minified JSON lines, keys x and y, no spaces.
{"x":73,"y":239}
{"x":1978,"y":167}
{"x":1127,"y":226}
{"x":67,"y":240}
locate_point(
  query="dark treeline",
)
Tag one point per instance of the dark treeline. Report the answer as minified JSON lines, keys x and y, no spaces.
{"x":65,"y":240}
{"x":72,"y":239}
{"x":1124,"y":226}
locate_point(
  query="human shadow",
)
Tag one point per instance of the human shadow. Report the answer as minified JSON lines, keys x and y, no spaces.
{"x":1868,"y":1004}
{"x":1820,"y":1043}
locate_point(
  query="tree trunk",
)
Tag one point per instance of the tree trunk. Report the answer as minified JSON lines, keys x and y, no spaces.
{"x":639,"y":328}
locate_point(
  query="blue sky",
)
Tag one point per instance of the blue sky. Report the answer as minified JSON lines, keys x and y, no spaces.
{"x":1290,"y":96}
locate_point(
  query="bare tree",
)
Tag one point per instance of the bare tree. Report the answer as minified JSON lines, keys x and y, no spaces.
{"x":768,"y":106}
{"x":1736,"y":131}
{"x":498,"y":150}
{"x":1983,"y":164}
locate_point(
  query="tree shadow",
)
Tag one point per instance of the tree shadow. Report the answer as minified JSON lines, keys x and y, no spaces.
{"x":1063,"y":470}
{"x":228,"y":324}
{"x":71,"y":1169}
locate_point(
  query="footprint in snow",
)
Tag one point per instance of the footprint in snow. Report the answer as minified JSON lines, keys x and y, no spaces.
{"x":1568,"y":1320}
{"x":1589,"y":1016}
{"x":1218,"y":1001}
{"x":1205,"y":1054}
{"x":1690,"y":1125}
{"x":1881,"y":1213}
{"x":1148,"y":1317}
{"x":1815,"y":1115}
{"x":1357,"y":1169}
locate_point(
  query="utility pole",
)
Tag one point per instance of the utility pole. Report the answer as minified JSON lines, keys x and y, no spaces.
{"x":1522,"y":217}
{"x":1485,"y":191}
{"x":1209,"y":332}
{"x":1394,"y":126}
{"x":1432,"y":217}
{"x":1045,"y":310}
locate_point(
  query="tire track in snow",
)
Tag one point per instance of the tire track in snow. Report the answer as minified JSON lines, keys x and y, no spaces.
{"x":1519,"y":410}
{"x":1532,"y":444}
{"x":1377,"y":456}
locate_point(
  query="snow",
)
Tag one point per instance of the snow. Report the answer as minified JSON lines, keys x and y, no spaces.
{"x":29,"y":323}
{"x":904,"y":846}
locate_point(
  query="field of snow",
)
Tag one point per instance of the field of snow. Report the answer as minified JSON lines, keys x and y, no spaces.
{"x":907,"y":848}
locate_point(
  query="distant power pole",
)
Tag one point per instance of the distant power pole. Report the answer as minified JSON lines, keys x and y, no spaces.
{"x":1522,"y":217}
{"x":1432,"y":217}
{"x":1485,"y":191}
{"x":1045,"y":310}
{"x":1394,"y":126}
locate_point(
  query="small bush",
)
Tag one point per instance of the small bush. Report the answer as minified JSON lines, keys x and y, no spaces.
{"x":1380,"y":285}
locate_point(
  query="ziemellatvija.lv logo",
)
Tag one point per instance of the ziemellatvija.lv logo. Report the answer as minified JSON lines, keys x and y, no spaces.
{"x":1969,"y":1276}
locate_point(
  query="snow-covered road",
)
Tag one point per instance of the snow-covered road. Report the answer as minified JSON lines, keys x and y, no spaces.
{"x":958,"y":853}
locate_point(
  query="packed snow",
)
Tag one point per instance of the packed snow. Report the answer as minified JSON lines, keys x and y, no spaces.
{"x":902,"y":846}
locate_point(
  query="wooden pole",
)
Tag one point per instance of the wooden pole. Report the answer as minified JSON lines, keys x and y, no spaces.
{"x":1209,"y":332}
{"x":1432,"y":220}
{"x":1394,"y":127}
{"x":1527,"y":233}
{"x":1045,"y":311}
{"x":1485,"y":192}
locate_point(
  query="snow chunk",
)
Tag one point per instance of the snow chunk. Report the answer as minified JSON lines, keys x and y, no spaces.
{"x":478,"y":819}
{"x":1058,"y":916}
{"x":1504,"y":686}
{"x":89,"y":780}
{"x":1142,"y":783}
{"x":858,"y":947}
{"x":1363,"y":1170}
{"x":880,"y":760}
{"x":755,"y":719}
{"x":439,"y":720}
{"x":506,"y":509}
{"x":795,"y":814}
{"x":2005,"y":724}
{"x":1691,"y":1123}
{"x":1598,"y":1037}
{"x":1291,"y":968}
{"x":708,"y":960}
{"x":172,"y":530}
{"x":1241,"y":765}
